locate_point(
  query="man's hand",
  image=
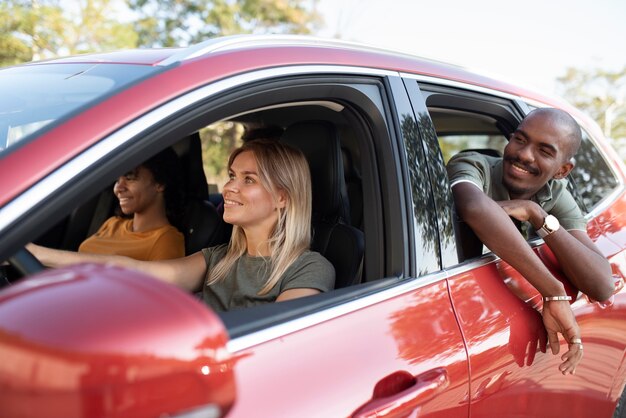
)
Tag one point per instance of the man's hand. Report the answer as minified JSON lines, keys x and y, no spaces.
{"x":558,"y":318}
{"x":524,"y":211}
{"x":583,"y":263}
{"x":502,"y":237}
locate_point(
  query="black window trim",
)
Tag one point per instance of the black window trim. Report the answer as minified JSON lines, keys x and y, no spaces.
{"x":502,"y":107}
{"x":163,"y":130}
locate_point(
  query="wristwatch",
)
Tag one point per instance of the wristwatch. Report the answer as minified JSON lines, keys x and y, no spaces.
{"x":550,"y":226}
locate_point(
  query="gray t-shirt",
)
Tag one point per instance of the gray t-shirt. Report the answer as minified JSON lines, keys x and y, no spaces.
{"x":241,"y":286}
{"x":486,"y":173}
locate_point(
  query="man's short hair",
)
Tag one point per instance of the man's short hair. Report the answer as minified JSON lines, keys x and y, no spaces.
{"x":567,"y":124}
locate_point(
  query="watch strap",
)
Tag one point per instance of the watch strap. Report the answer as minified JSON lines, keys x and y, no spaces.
{"x":543,"y":232}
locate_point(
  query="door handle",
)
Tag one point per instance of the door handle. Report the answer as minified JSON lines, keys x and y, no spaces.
{"x":401,"y":393}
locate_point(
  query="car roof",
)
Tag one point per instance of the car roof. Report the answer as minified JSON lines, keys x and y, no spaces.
{"x":184,"y":69}
{"x":131,"y":56}
{"x":167,"y":56}
{"x":312,"y":50}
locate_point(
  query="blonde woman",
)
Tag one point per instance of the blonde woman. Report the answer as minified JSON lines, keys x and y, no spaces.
{"x":267,"y":199}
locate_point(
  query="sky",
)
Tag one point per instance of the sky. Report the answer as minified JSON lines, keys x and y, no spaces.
{"x":529,"y":42}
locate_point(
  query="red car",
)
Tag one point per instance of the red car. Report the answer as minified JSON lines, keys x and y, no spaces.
{"x":412,"y":329}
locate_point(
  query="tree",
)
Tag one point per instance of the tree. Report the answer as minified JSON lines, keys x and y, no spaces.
{"x":601,"y":94}
{"x":39,"y":29}
{"x":29,"y":30}
{"x":94,"y":25}
{"x":164,"y":23}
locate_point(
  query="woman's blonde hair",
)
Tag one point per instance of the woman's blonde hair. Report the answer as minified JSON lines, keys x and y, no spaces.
{"x":285,"y":169}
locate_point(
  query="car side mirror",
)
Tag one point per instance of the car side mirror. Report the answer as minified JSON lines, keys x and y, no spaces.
{"x":96,"y":340}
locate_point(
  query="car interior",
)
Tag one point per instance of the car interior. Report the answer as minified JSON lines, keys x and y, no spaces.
{"x":344,"y":181}
{"x":463,"y":130}
{"x":325,"y":133}
{"x":459,"y":130}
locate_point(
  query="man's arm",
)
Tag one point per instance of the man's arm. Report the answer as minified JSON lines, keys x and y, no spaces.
{"x":496,"y":230}
{"x":580,"y":259}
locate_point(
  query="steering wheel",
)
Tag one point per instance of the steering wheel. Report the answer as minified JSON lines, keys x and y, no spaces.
{"x":25,"y":262}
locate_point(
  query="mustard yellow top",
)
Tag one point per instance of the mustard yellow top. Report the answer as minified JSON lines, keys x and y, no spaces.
{"x":116,"y":237}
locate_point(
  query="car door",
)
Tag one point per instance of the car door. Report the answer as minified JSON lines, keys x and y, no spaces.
{"x":390,"y":345}
{"x":387,"y":347}
{"x":511,"y":372}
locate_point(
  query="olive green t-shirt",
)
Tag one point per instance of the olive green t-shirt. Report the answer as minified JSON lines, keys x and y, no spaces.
{"x":241,"y":286}
{"x":486,"y":171}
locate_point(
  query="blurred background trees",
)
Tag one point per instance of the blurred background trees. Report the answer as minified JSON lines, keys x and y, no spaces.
{"x":602,"y":95}
{"x":39,"y":29}
{"x":162,"y":23}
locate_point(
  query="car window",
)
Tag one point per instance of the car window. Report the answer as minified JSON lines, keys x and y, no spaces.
{"x":219,"y":134}
{"x":592,"y":178}
{"x":462,"y":121}
{"x":35,"y":96}
{"x":218,"y":141}
{"x":460,"y":130}
{"x":463,"y":131}
{"x":590,"y":182}
{"x":369,"y":165}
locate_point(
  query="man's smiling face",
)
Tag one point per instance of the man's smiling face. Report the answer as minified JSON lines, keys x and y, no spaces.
{"x":538,"y":151}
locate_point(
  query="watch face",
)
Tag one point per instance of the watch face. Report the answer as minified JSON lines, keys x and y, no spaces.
{"x":551,"y":223}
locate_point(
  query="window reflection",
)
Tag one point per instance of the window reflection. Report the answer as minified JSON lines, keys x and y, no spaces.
{"x":426,"y":235}
{"x":591,"y":178}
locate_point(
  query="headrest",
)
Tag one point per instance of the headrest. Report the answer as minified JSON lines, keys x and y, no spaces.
{"x":319,"y":142}
{"x":189,"y":151}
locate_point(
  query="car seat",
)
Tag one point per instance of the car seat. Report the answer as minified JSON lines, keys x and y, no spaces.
{"x":354,"y":189}
{"x":203,"y":225}
{"x":333,"y":236}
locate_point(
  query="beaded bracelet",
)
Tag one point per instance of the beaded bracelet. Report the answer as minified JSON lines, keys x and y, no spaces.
{"x":556,"y":298}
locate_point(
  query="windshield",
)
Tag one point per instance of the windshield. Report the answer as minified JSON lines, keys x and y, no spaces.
{"x":34,"y":96}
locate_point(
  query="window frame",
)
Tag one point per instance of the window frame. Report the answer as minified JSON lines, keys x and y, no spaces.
{"x":162,"y":126}
{"x":428,"y":92}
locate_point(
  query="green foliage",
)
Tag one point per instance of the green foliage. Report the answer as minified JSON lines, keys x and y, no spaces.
{"x":601,"y":94}
{"x":218,"y":141}
{"x":93,"y":27}
{"x":39,"y":29}
{"x":29,"y":30}
{"x":183,"y":22}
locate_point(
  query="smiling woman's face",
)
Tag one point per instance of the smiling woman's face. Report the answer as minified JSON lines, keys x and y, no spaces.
{"x":247,"y":203}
